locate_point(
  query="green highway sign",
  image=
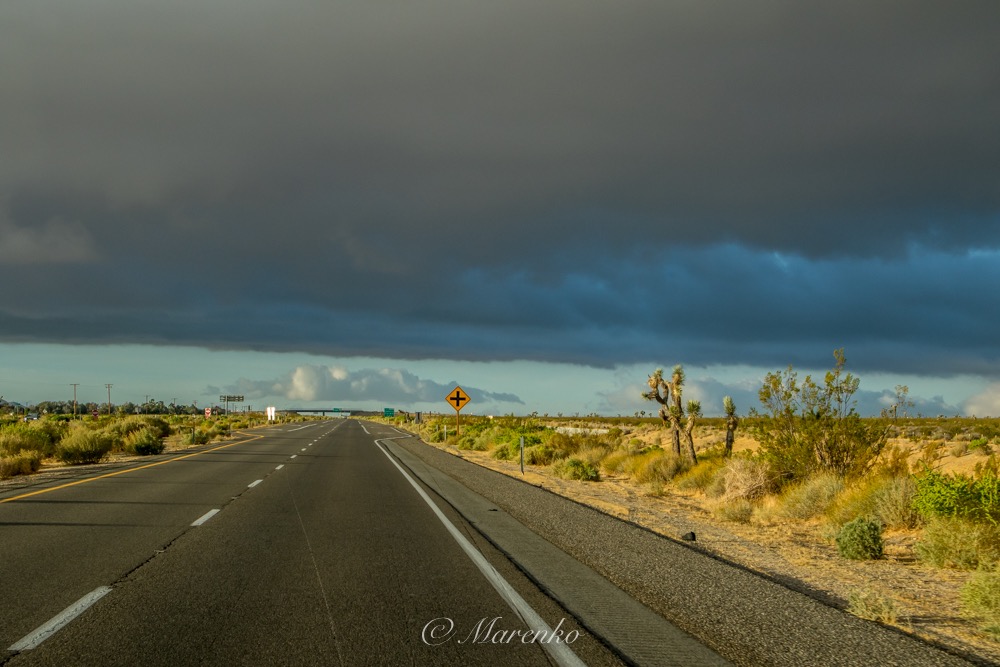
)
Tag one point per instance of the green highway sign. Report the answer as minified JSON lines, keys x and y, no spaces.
{"x":388,"y":412}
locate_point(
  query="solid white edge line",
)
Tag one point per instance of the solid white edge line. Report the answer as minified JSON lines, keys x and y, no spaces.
{"x":205,"y":517}
{"x":43,"y":632}
{"x":254,"y":483}
{"x":558,"y":651}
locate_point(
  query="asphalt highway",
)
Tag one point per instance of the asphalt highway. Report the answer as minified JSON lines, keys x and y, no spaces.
{"x":299,"y":545}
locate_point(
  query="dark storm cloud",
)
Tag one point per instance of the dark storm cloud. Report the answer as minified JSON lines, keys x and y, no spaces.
{"x":737,"y":182}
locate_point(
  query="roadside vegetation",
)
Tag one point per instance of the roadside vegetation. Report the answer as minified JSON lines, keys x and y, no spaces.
{"x":803,"y":456}
{"x":60,"y":439}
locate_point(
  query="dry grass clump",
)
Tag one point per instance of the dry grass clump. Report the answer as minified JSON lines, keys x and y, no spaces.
{"x":871,"y":605}
{"x":981,"y":601}
{"x":889,"y":500}
{"x":22,"y":463}
{"x":959,"y":543}
{"x":736,"y":511}
{"x":810,"y":498}
{"x":745,"y":478}
{"x":656,"y":466}
{"x":702,"y":476}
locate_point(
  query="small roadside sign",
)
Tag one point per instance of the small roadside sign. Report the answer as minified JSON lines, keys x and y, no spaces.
{"x":388,"y":412}
{"x":208,"y":412}
{"x":457,"y":398}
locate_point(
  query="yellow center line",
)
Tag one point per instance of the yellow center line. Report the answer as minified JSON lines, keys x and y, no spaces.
{"x":122,"y":472}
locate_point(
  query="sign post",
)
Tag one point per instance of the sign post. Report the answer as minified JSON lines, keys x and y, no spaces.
{"x":458,"y":399}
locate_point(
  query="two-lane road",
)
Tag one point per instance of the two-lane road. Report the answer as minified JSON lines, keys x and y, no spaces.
{"x":301,"y":545}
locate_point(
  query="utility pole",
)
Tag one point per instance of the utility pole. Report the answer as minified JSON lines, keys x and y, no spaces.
{"x":75,"y":385}
{"x":109,"y":398}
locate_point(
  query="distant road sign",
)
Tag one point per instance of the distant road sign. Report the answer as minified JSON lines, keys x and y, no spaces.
{"x":457,"y":398}
{"x":388,"y":412}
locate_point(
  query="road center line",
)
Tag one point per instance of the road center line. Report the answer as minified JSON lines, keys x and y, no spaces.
{"x":254,"y":483}
{"x":557,"y":650}
{"x":280,"y":467}
{"x":205,"y":517}
{"x":57,"y":622}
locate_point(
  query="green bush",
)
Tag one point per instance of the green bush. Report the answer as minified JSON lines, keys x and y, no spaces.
{"x":860,"y":539}
{"x":981,"y":601}
{"x":196,"y":437}
{"x":959,"y":543}
{"x":84,"y":446}
{"x":953,"y":495}
{"x":576,"y":469}
{"x":144,"y":443}
{"x":539,"y":455}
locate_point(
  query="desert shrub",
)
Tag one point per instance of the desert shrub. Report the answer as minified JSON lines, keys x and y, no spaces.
{"x":893,"y":498}
{"x":615,"y":461}
{"x":592,"y":455}
{"x":959,"y":543}
{"x":506,"y":451}
{"x":872,"y":606}
{"x":539,"y":455}
{"x":888,"y":500}
{"x":22,"y":463}
{"x":981,"y":446}
{"x":811,"y":426}
{"x":894,"y":462}
{"x":144,"y":443}
{"x":857,"y":500}
{"x":860,"y":539}
{"x":38,"y":436}
{"x":702,"y":475}
{"x":939,"y":494}
{"x":746,"y":478}
{"x":159,"y":426}
{"x":737,"y":511}
{"x":84,"y":446}
{"x":120,"y":429}
{"x":196,"y":437}
{"x":655,"y":466}
{"x":574,"y":468}
{"x":981,"y":601}
{"x":810,"y":498}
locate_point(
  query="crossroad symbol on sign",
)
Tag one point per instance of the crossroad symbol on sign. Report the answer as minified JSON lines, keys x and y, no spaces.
{"x":457,"y":398}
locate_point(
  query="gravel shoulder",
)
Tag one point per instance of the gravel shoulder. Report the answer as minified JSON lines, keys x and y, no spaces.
{"x":758,"y":595}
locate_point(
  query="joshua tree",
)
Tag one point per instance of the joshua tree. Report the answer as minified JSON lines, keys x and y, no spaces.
{"x":668,"y":394}
{"x":732,"y":421}
{"x":693,"y":413}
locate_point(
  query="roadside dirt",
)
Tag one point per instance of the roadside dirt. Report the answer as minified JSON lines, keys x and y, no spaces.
{"x":801,"y":555}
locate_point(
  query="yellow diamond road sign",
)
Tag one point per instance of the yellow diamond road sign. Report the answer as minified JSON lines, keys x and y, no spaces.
{"x":457,"y":398}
